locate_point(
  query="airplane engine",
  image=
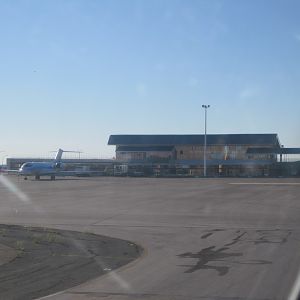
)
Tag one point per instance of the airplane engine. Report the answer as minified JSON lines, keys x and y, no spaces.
{"x":58,"y":165}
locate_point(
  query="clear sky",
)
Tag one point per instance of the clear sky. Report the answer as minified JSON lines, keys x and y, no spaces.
{"x":74,"y":72}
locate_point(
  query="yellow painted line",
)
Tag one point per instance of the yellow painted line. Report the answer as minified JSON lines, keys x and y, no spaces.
{"x":265,"y":183}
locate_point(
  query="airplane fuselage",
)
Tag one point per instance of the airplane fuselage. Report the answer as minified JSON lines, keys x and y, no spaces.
{"x":37,"y":169}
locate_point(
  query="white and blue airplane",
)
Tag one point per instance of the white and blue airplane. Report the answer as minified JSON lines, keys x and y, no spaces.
{"x":52,"y":169}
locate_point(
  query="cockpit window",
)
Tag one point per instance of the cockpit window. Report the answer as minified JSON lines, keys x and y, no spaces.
{"x":27,"y":165}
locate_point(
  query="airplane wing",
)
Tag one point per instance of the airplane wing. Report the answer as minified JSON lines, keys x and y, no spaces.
{"x":62,"y":173}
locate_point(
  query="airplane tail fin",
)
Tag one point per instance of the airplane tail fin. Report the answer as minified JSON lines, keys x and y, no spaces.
{"x":60,"y":152}
{"x":58,"y":155}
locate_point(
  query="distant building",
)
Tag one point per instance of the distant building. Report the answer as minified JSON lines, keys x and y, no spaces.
{"x":226,"y":154}
{"x":183,"y":155}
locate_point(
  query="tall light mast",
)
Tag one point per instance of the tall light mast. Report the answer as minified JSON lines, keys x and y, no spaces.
{"x":205,"y":142}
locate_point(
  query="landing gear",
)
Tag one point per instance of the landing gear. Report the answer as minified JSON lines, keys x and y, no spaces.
{"x":37,"y":177}
{"x":52,"y":177}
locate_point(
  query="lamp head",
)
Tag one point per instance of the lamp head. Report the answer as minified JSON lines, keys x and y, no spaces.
{"x":205,"y":106}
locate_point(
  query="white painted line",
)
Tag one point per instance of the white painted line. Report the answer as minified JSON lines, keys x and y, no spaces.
{"x":51,"y":295}
{"x":264,"y":183}
{"x":295,"y":290}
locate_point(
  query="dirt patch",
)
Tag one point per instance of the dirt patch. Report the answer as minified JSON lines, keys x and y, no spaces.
{"x":44,"y":261}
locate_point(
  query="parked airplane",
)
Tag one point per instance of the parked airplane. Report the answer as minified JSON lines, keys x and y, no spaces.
{"x":51,"y":169}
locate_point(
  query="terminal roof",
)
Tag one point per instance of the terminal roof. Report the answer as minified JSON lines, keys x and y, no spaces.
{"x":195,"y":139}
{"x":145,"y":148}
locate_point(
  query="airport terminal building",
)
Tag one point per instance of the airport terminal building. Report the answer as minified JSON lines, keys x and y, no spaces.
{"x":232,"y":155}
{"x":226,"y":154}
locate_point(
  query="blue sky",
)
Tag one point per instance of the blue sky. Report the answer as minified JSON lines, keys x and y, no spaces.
{"x":74,"y":72}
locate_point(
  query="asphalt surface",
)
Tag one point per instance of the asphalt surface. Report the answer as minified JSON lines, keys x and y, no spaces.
{"x":51,"y":260}
{"x":222,"y":239}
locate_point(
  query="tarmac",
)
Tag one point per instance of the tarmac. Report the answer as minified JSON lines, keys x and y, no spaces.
{"x":221,"y":239}
{"x":51,"y":260}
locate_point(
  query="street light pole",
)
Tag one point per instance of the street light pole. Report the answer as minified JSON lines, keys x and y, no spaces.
{"x":204,"y":157}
